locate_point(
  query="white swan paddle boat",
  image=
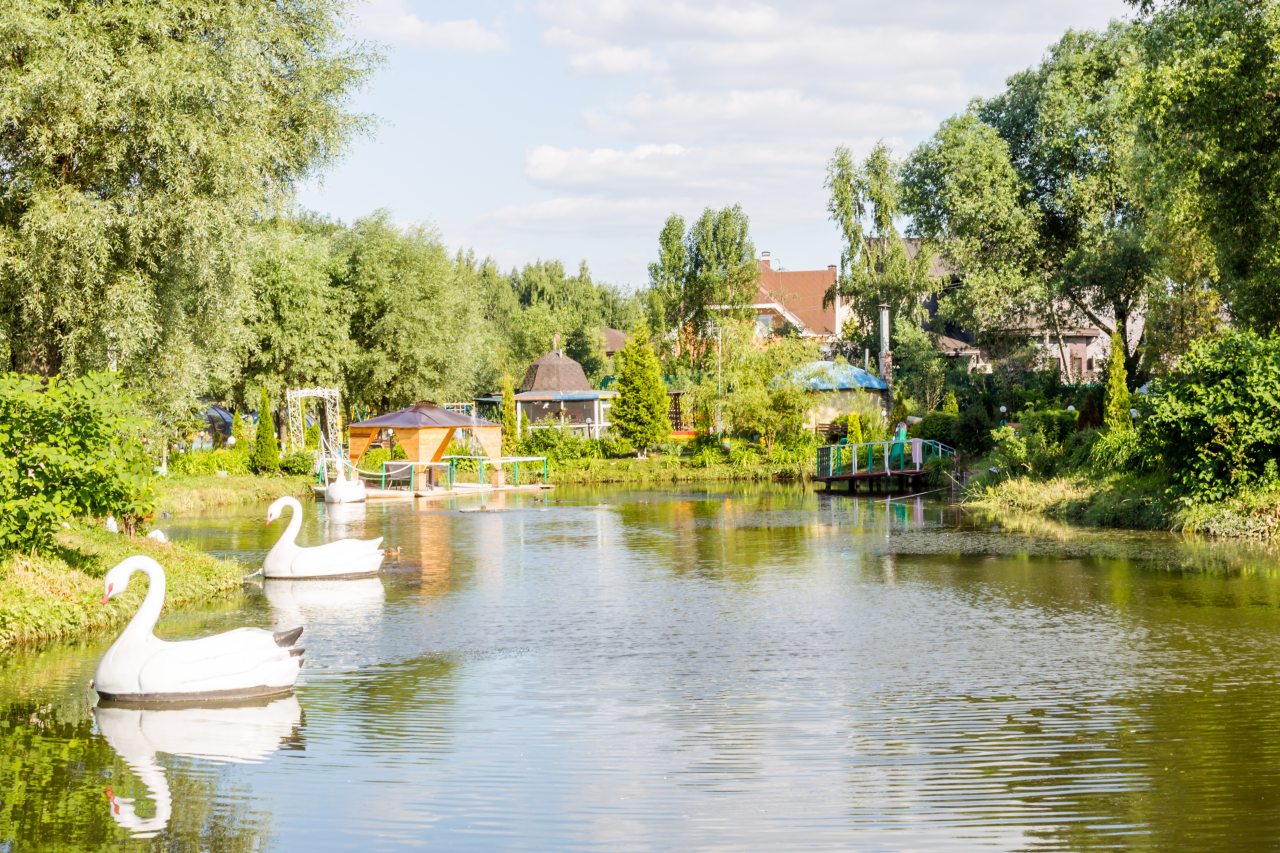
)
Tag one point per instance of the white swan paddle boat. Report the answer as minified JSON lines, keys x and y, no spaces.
{"x":142,"y":668}
{"x":344,"y":558}
{"x":343,"y":491}
{"x":246,"y":734}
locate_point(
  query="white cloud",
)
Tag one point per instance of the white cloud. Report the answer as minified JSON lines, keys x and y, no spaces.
{"x":583,"y":215}
{"x":393,"y":21}
{"x":614,"y":59}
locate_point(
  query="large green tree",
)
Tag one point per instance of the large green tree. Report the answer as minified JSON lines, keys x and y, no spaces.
{"x":701,"y":277}
{"x":875,"y":266}
{"x":138,"y":142}
{"x":1210,"y":135}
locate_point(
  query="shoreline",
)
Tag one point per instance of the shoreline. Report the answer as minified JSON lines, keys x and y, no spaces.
{"x":57,"y":597}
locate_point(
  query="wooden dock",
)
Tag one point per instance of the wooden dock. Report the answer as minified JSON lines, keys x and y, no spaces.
{"x":880,"y":465}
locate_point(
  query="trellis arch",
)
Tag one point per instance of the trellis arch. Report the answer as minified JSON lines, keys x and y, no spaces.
{"x":330,"y":420}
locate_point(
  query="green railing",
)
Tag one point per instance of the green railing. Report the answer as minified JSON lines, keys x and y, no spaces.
{"x":456,"y":465}
{"x":880,"y":457}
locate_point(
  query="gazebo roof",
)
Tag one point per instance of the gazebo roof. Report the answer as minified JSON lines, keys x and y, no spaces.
{"x":422,"y":415}
{"x":830,"y":376}
{"x":555,"y":371}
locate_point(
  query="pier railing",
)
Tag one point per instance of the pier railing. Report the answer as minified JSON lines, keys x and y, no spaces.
{"x":869,"y":458}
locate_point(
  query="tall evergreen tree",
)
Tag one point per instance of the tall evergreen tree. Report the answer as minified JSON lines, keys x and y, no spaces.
{"x":640,"y":413}
{"x":510,"y":430}
{"x":1115,"y":412}
{"x":266,"y":449}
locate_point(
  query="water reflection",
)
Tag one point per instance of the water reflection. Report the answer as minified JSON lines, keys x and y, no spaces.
{"x":727,"y":667}
{"x":245,"y":734}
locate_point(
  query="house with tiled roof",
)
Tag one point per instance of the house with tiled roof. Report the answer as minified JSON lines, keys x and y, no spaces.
{"x":794,"y":298}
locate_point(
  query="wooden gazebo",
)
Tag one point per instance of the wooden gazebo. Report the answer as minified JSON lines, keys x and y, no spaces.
{"x":424,"y":430}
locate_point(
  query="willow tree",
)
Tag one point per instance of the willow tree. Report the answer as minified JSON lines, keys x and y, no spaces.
{"x":875,"y":265}
{"x":138,"y":142}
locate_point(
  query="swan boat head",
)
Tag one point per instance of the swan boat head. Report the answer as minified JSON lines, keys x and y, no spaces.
{"x":117,"y":579}
{"x":277,"y":507}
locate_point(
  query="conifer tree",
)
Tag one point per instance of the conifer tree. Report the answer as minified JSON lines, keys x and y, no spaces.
{"x":1115,"y":411}
{"x":266,"y":450}
{"x":640,"y":413}
{"x":242,"y":432}
{"x":854,"y":435}
{"x":510,"y":432}
{"x":950,"y":405}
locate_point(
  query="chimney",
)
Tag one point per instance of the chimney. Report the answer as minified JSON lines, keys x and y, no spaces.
{"x":831,"y":267}
{"x":886,"y":354}
{"x":765,"y":259}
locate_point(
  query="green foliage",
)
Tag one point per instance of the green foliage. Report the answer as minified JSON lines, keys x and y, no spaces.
{"x":640,"y":413}
{"x":510,"y":430}
{"x":559,"y":444}
{"x":1116,"y":449}
{"x":1214,"y":424}
{"x":69,"y":448}
{"x":919,"y":369}
{"x":973,"y":431}
{"x":699,"y":277}
{"x":311,"y":438}
{"x":141,"y":142}
{"x":1055,"y":425}
{"x":767,"y":402}
{"x":950,"y":405}
{"x":939,"y":426}
{"x":1115,"y":411}
{"x":874,"y":267}
{"x":298,"y":463}
{"x":847,"y":427}
{"x":200,"y":463}
{"x":242,"y":430}
{"x":265,"y":458}
{"x":901,"y":410}
{"x":616,"y":446}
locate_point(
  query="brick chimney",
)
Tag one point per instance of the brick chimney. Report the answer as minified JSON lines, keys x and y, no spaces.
{"x":765,"y":259}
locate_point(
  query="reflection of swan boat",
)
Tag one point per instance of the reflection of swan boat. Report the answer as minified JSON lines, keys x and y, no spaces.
{"x":245,"y":734}
{"x":340,"y":558}
{"x":304,"y":601}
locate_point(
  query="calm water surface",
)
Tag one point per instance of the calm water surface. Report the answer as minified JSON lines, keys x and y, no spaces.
{"x":705,"y":669}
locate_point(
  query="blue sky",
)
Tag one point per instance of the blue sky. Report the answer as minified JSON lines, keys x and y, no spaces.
{"x":569,"y":129}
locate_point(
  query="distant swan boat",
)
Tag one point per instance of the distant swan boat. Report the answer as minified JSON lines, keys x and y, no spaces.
{"x":342,"y":558}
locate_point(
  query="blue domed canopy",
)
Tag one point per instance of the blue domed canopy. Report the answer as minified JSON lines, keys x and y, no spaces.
{"x":832,"y":376}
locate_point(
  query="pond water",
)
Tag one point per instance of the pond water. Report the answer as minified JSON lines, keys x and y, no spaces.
{"x":724,"y":668}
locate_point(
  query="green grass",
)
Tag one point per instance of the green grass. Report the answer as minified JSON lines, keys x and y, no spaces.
{"x":1133,"y":501}
{"x":184,"y":494}
{"x":58,"y":596}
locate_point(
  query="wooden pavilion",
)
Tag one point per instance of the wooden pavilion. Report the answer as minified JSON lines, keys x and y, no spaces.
{"x":424,"y":430}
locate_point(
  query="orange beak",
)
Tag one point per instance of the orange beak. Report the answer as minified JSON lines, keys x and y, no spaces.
{"x":105,"y":599}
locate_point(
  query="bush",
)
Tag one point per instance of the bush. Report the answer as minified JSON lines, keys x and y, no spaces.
{"x":1214,"y":424}
{"x":973,"y":432}
{"x":299,"y":462}
{"x":558,"y":444}
{"x":204,"y":463}
{"x":69,"y":448}
{"x":1054,"y":425}
{"x":616,"y":446}
{"x":938,"y":426}
{"x":1115,"y":450}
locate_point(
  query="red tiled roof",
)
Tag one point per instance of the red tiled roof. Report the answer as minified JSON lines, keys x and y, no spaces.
{"x":800,"y":292}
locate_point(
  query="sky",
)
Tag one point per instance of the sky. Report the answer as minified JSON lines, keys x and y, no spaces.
{"x":570,"y":129}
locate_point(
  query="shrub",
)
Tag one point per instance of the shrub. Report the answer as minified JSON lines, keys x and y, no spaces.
{"x":69,"y":448}
{"x":311,"y":438}
{"x":1214,"y":423}
{"x":939,"y":426}
{"x":973,"y":431}
{"x":204,"y":463}
{"x":299,"y":462}
{"x":1115,"y":407}
{"x":616,"y":446}
{"x":950,"y":405}
{"x":1054,"y":425}
{"x":558,"y":444}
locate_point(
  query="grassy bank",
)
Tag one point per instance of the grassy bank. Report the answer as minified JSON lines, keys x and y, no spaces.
{"x":58,"y":596}
{"x":659,"y":470}
{"x":182,"y":494}
{"x":1130,"y":501}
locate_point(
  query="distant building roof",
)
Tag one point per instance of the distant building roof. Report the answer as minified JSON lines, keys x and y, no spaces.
{"x":422,"y":415}
{"x":614,"y":340}
{"x":801,"y":293}
{"x":555,"y":371}
{"x":832,"y":376}
{"x":955,"y":347}
{"x":530,"y":396}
